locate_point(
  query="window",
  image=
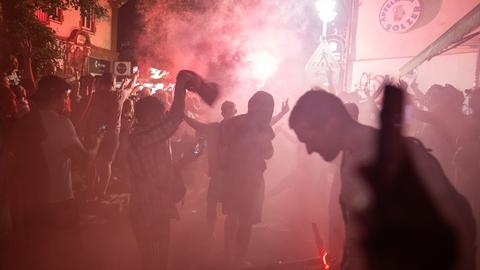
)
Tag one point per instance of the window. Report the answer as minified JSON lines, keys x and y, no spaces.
{"x":41,"y":16}
{"x":57,"y":16}
{"x":88,"y":21}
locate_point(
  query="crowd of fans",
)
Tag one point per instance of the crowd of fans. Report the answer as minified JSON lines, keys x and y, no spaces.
{"x":92,"y":129}
{"x":59,"y":141}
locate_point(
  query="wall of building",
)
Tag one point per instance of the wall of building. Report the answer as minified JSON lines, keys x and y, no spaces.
{"x":455,"y":69}
{"x":378,"y":51}
{"x":102,"y":37}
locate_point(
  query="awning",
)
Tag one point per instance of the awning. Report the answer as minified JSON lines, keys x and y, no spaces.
{"x":457,"y":34}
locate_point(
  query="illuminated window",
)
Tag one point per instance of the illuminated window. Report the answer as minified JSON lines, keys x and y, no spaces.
{"x":88,"y":21}
{"x":41,"y":16}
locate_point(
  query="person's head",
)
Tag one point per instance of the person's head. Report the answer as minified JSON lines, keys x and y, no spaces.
{"x":319,"y":119}
{"x":474,"y":101}
{"x":444,"y":98}
{"x":12,"y":63}
{"x":105,"y":82}
{"x":260,"y":108}
{"x":228,"y":109}
{"x":161,"y":95}
{"x":5,"y":81}
{"x":52,"y":93}
{"x":149,"y":111}
{"x":145,"y":92}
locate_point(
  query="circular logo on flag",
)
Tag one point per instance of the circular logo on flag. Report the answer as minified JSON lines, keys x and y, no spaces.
{"x":121,"y":68}
{"x":399,"y":16}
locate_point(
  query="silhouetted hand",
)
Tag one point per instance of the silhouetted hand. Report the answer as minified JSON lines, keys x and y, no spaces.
{"x":285,"y":107}
{"x":403,"y":85}
{"x":414,"y":85}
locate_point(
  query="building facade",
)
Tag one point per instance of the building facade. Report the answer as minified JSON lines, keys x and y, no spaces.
{"x":387,"y":34}
{"x":88,"y":44}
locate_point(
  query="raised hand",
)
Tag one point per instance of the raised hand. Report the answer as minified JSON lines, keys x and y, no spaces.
{"x":403,"y":85}
{"x":285,"y":107}
{"x":124,"y":84}
{"x":189,"y":79}
{"x":414,"y":85}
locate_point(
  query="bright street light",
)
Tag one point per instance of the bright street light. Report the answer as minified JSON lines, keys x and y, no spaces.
{"x":326,"y":10}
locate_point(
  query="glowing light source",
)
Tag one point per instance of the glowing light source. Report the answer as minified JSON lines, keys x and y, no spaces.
{"x":263,"y":65}
{"x":325,"y":262}
{"x":158,"y":73}
{"x":333,"y":46}
{"x":326,"y":10}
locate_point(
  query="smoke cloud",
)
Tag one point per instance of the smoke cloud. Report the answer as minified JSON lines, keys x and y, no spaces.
{"x":243,"y":45}
{"x":246,"y":45}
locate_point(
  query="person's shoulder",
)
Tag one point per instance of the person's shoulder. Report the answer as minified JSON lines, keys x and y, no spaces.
{"x":61,"y":118}
{"x":416,"y":144}
{"x":214,"y":124}
{"x":234,"y":122}
{"x":422,"y":156}
{"x":239,"y":119}
{"x":213,"y":127}
{"x":139,"y":133}
{"x":57,"y":119}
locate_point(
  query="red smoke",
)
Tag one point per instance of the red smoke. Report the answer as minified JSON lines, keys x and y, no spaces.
{"x":219,"y":39}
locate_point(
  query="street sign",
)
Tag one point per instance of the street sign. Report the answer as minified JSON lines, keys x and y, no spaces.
{"x":98,"y":66}
{"x":122,"y":68}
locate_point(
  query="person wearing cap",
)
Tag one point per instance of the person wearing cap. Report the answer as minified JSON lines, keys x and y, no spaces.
{"x":44,"y":213}
{"x":245,"y":144}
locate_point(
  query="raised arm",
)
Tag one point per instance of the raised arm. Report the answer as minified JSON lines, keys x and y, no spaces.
{"x":197,"y":125}
{"x":28,"y":80}
{"x":419,"y":95}
{"x":75,"y":149}
{"x":283,"y":112}
{"x":175,"y":116}
{"x":129,"y":85}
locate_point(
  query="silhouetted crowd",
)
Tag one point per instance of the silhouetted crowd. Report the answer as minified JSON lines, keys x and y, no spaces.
{"x":405,"y":194}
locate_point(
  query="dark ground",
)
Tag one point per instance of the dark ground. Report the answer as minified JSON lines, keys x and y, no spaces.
{"x":110,"y":243}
